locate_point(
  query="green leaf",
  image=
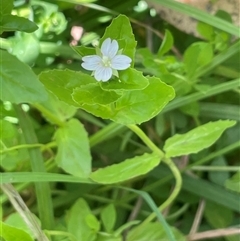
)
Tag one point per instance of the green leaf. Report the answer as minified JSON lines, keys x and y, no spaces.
{"x":167,"y":43}
{"x":15,"y":23}
{"x":108,"y":237}
{"x":83,"y":50}
{"x":206,"y":31}
{"x":197,"y":55}
{"x":25,"y":47}
{"x":108,"y":217}
{"x":7,"y":130}
{"x":120,"y":29}
{"x":135,"y":107}
{"x":196,"y":139}
{"x":6,"y":7}
{"x":11,"y":160}
{"x":153,"y":64}
{"x":180,"y":84}
{"x":152,"y":231}
{"x":9,"y":138}
{"x":217,"y":215}
{"x":92,"y":222}
{"x":127,"y":169}
{"x":139,"y":106}
{"x":129,"y":79}
{"x":219,"y":177}
{"x":191,"y":109}
{"x":15,"y":220}
{"x":58,"y":108}
{"x":63,"y":82}
{"x":132,"y":107}
{"x":73,"y":154}
{"x":92,"y":94}
{"x":18,"y":82}
{"x":10,"y":233}
{"x":76,"y":221}
{"x":233,"y":183}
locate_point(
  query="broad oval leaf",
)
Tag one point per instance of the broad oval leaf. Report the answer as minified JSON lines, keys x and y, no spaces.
{"x":58,"y":108}
{"x":92,"y":94}
{"x":8,"y":138}
{"x":233,"y":183}
{"x":129,"y":79}
{"x":135,"y":107}
{"x":77,"y":224}
{"x":219,"y":177}
{"x":6,"y":7}
{"x":7,"y":130}
{"x":217,"y":215}
{"x":120,"y":29}
{"x":197,"y":55}
{"x":196,"y":139}
{"x":73,"y":154}
{"x":153,"y":231}
{"x":127,"y":169}
{"x":10,"y":233}
{"x":63,"y":82}
{"x":18,"y":82}
{"x":139,"y":106}
{"x":15,"y":220}
{"x":108,"y":216}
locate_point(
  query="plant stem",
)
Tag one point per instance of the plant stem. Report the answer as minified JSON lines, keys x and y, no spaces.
{"x":23,"y":146}
{"x":171,"y":165}
{"x":146,"y":140}
{"x":52,"y":118}
{"x":175,"y":192}
{"x":5,"y":44}
{"x":43,"y":193}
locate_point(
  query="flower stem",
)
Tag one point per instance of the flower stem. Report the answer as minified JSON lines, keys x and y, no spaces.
{"x":43,"y":194}
{"x":23,"y":146}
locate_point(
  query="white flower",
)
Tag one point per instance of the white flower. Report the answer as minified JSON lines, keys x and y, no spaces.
{"x":107,"y":62}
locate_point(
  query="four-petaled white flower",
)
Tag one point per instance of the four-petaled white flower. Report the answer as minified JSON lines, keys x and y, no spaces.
{"x":107,"y":62}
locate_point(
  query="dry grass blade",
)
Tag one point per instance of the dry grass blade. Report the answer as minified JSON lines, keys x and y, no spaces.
{"x":24,"y":212}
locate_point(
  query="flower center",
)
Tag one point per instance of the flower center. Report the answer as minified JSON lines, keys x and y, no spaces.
{"x":106,"y":61}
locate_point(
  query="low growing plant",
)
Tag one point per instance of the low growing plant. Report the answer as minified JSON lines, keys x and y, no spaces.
{"x":102,"y":150}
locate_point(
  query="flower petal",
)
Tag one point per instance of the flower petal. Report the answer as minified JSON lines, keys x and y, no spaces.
{"x":103,"y":74}
{"x":91,"y":62}
{"x":109,"y":48}
{"x":105,"y":46}
{"x":121,"y":62}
